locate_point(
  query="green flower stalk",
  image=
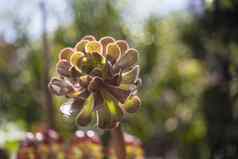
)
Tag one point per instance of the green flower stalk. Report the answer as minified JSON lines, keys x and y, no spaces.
{"x":134,"y":148}
{"x":100,"y":78}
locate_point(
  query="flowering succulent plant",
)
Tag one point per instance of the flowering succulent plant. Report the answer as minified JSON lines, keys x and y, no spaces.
{"x":27,"y":148}
{"x":100,"y":78}
{"x":49,"y":144}
{"x":42,"y":145}
{"x":85,"y":145}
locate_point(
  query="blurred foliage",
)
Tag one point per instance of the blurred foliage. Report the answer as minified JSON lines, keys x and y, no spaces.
{"x":189,"y":71}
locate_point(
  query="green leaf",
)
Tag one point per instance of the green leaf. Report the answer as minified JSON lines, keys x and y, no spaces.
{"x":127,"y":60}
{"x":65,"y":54}
{"x":72,"y":107}
{"x":109,"y":115}
{"x":113,"y":107}
{"x":95,"y":84}
{"x":59,"y":87}
{"x":85,"y":115}
{"x":98,"y":60}
{"x":98,"y":100}
{"x":89,"y":38}
{"x":113,"y":52}
{"x":84,"y":80}
{"x":103,"y":118}
{"x":75,"y":59}
{"x":128,"y":87}
{"x":80,"y":46}
{"x":105,"y":41}
{"x":132,"y":104}
{"x":118,"y":93}
{"x":131,"y":76}
{"x":123,"y":46}
{"x":63,"y":68}
{"x":93,"y":46}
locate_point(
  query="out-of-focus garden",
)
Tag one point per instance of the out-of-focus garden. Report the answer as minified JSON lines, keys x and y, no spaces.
{"x":189,"y":68}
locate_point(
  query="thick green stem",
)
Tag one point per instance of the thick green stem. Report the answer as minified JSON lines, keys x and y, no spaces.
{"x":118,"y":143}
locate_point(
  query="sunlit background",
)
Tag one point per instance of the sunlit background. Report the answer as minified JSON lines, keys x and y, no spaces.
{"x":189,"y":57}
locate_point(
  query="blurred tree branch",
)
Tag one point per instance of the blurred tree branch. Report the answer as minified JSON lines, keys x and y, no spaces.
{"x":46,"y":59}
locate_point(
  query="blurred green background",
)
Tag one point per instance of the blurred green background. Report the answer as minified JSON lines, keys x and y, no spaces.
{"x":188,"y":53}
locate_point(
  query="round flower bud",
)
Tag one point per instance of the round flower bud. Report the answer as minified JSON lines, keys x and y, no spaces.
{"x":132,"y":104}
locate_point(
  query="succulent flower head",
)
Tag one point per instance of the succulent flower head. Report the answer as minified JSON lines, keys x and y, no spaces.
{"x":48,"y":136}
{"x":85,"y":145}
{"x":27,"y":148}
{"x":100,"y":77}
{"x":42,"y":145}
{"x":49,"y":143}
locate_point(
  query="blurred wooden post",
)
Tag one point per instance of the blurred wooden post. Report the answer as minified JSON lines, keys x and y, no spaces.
{"x":48,"y":103}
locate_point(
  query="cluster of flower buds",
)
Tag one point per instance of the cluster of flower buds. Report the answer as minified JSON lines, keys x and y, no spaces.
{"x":134,"y":149}
{"x":28,"y":148}
{"x":50,"y":144}
{"x":85,"y":145}
{"x":100,"y":78}
{"x":42,"y":145}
